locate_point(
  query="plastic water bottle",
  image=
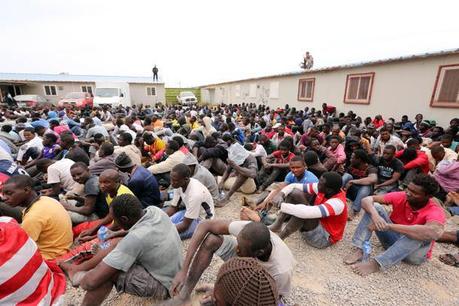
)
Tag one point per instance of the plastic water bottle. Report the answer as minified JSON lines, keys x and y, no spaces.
{"x":366,"y":251}
{"x":170,"y":194}
{"x":102,"y":234}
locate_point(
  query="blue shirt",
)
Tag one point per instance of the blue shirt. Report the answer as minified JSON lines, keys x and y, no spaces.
{"x":145,"y":187}
{"x":308,"y":178}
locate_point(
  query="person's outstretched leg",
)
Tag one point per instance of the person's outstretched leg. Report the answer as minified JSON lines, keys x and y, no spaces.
{"x":97,"y":296}
{"x":409,"y":250}
{"x":362,"y":234}
{"x":76,"y":272}
{"x":200,"y":263}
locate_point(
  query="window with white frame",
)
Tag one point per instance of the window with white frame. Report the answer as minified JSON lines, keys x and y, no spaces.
{"x":306,"y":89}
{"x":86,"y":88}
{"x":253,"y":91}
{"x":237,"y":90}
{"x":274,"y":90}
{"x":358,"y":88}
{"x":151,"y":91}
{"x":446,"y":89}
{"x":50,"y":90}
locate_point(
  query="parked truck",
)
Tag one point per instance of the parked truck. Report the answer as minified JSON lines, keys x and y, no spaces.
{"x":112,"y":93}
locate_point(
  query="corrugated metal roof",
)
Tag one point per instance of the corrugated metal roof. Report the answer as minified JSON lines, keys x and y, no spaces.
{"x":355,"y":65}
{"x":64,"y":77}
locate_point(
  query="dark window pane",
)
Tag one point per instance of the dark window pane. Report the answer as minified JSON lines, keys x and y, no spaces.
{"x":449,"y":91}
{"x":353,"y":87}
{"x":364,"y":87}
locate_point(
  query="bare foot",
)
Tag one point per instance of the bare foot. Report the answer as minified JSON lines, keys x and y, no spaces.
{"x":353,"y":257}
{"x":72,"y":274}
{"x":67,"y":268}
{"x":248,"y":214}
{"x":221,"y":202}
{"x":366,"y":268}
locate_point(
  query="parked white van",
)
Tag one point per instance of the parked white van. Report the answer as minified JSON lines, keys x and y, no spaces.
{"x":112,"y":93}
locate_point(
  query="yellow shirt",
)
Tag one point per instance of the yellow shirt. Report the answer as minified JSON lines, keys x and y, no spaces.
{"x":49,"y":225}
{"x":156,"y":146}
{"x":121,"y":190}
{"x":195,"y":125}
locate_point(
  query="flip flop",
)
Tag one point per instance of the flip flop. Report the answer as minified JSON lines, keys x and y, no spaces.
{"x":449,"y":259}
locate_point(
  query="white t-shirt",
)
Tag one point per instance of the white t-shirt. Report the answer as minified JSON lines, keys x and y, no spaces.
{"x":259,"y":151}
{"x":196,"y":198}
{"x":281,"y":263}
{"x":36,"y":142}
{"x":59,"y":172}
{"x":125,"y":129}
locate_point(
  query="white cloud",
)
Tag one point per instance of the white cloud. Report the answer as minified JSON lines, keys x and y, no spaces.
{"x":199,"y":42}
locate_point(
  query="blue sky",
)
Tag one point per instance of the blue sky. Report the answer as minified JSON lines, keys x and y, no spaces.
{"x":201,"y":42}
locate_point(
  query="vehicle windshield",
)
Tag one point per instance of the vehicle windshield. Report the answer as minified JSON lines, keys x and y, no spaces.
{"x":107,"y":92}
{"x":186,"y":94}
{"x":75,"y":95}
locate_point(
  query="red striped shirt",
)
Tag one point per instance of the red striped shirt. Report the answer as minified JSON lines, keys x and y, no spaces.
{"x":25,"y":278}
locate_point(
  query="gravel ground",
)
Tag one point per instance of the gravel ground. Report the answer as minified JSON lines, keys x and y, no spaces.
{"x":321,"y":278}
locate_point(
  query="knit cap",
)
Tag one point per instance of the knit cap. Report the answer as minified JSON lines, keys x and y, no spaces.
{"x":243,"y":281}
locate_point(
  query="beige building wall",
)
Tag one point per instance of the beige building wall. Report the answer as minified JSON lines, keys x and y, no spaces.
{"x":399,"y":88}
{"x":61,"y":87}
{"x":139,"y":95}
{"x":138,"y":92}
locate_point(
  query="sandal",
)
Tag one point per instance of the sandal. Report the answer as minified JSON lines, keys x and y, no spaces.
{"x":449,"y":259}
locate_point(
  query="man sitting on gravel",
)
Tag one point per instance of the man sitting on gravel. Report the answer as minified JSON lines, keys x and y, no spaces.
{"x":322,"y":223}
{"x":407,"y":234}
{"x":298,"y":174}
{"x":190,"y":198}
{"x":240,"y":173}
{"x":142,"y":263}
{"x":248,"y":239}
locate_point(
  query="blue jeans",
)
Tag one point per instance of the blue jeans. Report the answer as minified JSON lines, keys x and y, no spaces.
{"x":318,"y":237}
{"x":398,"y":247}
{"x":178,"y":217}
{"x":356,"y":192}
{"x":454,"y":210}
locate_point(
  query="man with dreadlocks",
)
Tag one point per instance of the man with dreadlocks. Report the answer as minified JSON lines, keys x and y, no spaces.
{"x":248,"y":239}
